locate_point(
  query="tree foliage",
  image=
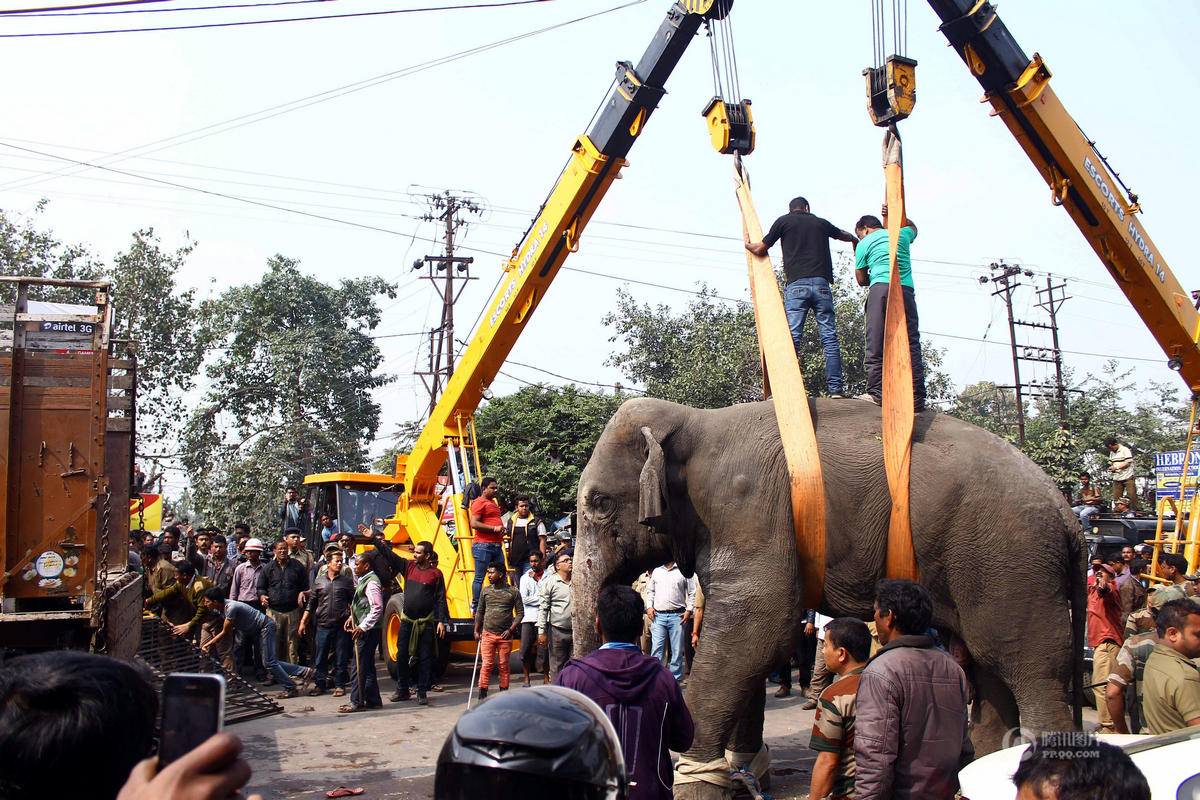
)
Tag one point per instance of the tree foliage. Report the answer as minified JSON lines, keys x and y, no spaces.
{"x":31,"y":251}
{"x":1155,"y":421}
{"x":707,"y":355}
{"x":150,"y":310}
{"x":160,"y":320}
{"x":538,"y":440}
{"x":290,"y":390}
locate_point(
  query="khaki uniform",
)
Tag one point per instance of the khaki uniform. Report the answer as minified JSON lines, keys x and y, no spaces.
{"x":1171,"y":696}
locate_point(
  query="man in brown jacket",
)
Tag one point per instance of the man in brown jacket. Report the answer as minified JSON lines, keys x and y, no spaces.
{"x":911,"y":729}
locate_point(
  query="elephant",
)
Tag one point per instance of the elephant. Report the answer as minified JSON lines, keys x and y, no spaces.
{"x":996,"y":546}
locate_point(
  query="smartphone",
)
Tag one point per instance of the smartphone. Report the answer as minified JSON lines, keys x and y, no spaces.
{"x":193,"y":709}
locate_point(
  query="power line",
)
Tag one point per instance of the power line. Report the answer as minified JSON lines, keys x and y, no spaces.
{"x":330,"y":94}
{"x":240,"y":23}
{"x":86,"y":5}
{"x":51,"y":13}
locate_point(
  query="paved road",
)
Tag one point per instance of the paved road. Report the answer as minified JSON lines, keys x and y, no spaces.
{"x":392,"y":752}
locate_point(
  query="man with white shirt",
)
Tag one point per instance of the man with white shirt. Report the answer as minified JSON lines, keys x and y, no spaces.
{"x":671,"y":599}
{"x":531,"y":589}
{"x":821,"y":676}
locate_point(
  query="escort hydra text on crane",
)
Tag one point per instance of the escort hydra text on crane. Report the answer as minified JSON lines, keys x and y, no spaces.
{"x":426,"y":500}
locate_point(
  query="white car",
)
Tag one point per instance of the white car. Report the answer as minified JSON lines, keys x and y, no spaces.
{"x":1170,"y":762}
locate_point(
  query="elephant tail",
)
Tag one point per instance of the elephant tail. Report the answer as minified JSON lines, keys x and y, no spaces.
{"x":1076,"y":552}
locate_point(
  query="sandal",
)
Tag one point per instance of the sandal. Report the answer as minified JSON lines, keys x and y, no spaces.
{"x":342,"y":791}
{"x":350,"y":709}
{"x":316,"y":691}
{"x":437,"y":687}
{"x":338,"y":692}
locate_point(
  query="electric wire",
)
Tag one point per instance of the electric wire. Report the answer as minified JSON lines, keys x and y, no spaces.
{"x":245,"y":22}
{"x":24,"y":15}
{"x":271,"y":112}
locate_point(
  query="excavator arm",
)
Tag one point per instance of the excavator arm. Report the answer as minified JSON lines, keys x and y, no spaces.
{"x":595,"y":162}
{"x":1019,"y":91}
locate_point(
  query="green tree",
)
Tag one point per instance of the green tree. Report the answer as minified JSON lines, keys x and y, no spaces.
{"x":537,"y":441}
{"x":29,"y":251}
{"x":160,"y":320}
{"x":1150,"y":421}
{"x":289,"y":390}
{"x":707,"y":356}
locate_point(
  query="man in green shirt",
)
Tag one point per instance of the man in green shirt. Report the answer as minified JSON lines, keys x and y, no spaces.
{"x":1171,"y":694}
{"x":872,"y":268}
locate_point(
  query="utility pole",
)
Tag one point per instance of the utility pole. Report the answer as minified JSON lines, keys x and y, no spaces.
{"x":442,"y":272}
{"x":1052,"y":304}
{"x":1005,"y":277}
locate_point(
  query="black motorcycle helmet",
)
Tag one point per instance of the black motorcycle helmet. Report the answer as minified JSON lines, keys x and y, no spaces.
{"x":531,"y":743}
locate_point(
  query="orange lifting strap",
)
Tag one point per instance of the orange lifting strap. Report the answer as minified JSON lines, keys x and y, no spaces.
{"x":782,"y":380}
{"x":897,"y":376}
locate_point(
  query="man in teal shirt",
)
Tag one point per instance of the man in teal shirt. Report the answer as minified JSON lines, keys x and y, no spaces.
{"x":871,"y":268}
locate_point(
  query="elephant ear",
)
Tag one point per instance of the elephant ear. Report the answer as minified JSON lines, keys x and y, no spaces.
{"x":653,"y":508}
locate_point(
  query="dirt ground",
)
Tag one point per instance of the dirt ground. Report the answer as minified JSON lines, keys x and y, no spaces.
{"x":392,"y":752}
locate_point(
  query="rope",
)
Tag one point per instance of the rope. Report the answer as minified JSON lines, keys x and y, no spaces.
{"x":757,"y":763}
{"x":714,"y":773}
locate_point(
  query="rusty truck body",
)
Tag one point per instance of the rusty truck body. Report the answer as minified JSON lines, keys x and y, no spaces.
{"x":67,"y":414}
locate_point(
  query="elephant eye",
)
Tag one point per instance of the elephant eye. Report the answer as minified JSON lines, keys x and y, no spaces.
{"x":601,"y":503}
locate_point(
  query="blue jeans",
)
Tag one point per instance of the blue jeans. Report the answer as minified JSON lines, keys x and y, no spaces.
{"x":333,"y":639}
{"x":1086,"y":512}
{"x":801,"y":295}
{"x":483,"y":554}
{"x":282,"y":670}
{"x":668,"y":623}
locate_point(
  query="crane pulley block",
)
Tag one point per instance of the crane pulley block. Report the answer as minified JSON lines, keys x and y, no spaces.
{"x":891,"y":90}
{"x":730,"y":126}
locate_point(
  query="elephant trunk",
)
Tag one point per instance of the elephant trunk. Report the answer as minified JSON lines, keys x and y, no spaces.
{"x":587,"y":579}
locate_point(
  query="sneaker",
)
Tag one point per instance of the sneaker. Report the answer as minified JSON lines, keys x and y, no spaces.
{"x":423,"y":699}
{"x":809,"y":706}
{"x":526,"y":685}
{"x":870,"y":398}
{"x":400,"y":696}
{"x":482,"y":693}
{"x":286,"y":693}
{"x":783,"y":691}
{"x":837,"y":396}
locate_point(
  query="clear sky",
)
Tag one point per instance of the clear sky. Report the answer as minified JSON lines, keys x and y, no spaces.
{"x":499,"y":124}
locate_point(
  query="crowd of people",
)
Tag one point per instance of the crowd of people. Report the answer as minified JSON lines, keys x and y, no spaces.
{"x":302,"y":620}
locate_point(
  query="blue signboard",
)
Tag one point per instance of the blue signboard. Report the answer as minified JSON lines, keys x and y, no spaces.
{"x":1168,"y":474}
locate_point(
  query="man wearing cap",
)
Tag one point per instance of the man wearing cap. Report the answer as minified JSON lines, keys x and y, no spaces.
{"x":1104,"y":630}
{"x":297,"y":549}
{"x":244,"y":589}
{"x":1121,"y":508}
{"x":329,"y":606}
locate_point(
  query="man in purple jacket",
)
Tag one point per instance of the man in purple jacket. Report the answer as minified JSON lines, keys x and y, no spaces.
{"x":636,"y":691}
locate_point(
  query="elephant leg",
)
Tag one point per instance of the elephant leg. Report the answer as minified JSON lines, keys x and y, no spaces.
{"x":725,"y":691}
{"x":994,"y":713}
{"x":747,"y":738}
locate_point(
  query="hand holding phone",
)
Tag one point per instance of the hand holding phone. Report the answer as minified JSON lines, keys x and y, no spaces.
{"x":193,"y":710}
{"x":212,"y":771}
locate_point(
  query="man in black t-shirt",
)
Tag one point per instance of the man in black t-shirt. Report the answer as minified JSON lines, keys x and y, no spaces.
{"x":809,"y":270}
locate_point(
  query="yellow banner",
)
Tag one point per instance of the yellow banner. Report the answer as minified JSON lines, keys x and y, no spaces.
{"x":150,"y":518}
